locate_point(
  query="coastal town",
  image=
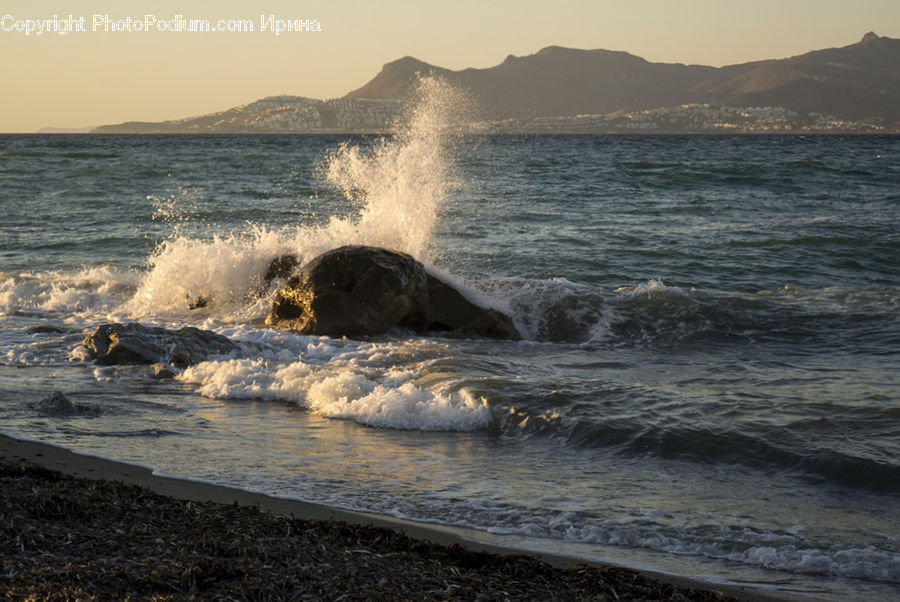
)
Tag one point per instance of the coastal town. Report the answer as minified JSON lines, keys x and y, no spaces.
{"x":693,"y":118}
{"x":279,"y":115}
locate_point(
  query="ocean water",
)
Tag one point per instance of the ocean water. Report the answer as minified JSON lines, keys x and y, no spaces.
{"x":707,"y":382}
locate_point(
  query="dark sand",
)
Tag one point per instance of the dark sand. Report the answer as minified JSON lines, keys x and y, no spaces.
{"x":80,"y":527}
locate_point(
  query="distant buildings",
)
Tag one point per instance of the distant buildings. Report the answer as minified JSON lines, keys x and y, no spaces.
{"x":689,"y":118}
{"x":295,"y":114}
{"x":280,"y":115}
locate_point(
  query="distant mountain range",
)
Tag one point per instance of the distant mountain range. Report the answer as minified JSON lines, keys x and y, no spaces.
{"x":564,"y":89}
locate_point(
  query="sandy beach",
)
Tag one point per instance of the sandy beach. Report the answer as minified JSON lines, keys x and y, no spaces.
{"x":77,"y":526}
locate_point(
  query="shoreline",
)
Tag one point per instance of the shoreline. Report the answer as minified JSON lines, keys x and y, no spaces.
{"x":15,"y":451}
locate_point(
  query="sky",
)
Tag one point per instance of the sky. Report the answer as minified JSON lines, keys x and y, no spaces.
{"x":95,"y":77}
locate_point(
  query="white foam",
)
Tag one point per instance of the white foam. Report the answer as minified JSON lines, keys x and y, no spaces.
{"x":859,"y":563}
{"x":225,"y":271}
{"x":90,"y":290}
{"x":651,"y":288}
{"x":350,"y":386}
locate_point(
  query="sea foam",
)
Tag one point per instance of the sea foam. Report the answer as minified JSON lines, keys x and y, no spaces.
{"x":90,"y":290}
{"x":355,"y":386}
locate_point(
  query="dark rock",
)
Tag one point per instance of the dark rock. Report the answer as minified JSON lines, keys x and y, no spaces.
{"x":359,"y":290}
{"x":137,"y":344}
{"x":448,"y":310}
{"x":57,"y":404}
{"x":353,"y":290}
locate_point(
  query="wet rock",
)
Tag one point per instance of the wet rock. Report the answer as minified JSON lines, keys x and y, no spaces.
{"x":353,"y":290}
{"x":448,"y":310}
{"x":359,"y":290}
{"x":57,"y":404}
{"x":138,"y":344}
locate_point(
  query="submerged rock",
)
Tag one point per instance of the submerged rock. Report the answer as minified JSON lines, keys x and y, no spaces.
{"x":56,"y":404}
{"x":360,"y":290}
{"x":137,"y":344}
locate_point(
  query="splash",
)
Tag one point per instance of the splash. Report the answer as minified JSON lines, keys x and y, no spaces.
{"x":89,"y":291}
{"x":400,"y":184}
{"x":403,"y":181}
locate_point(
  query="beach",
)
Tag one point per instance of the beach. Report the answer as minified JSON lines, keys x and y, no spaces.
{"x":78,"y":526}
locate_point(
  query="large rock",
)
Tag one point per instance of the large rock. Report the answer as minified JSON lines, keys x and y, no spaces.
{"x":137,"y":344}
{"x":359,"y":290}
{"x":353,"y":290}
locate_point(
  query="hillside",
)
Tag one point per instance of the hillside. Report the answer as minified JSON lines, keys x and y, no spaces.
{"x":277,"y":114}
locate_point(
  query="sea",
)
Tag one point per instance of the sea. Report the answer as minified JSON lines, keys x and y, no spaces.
{"x":708,"y":381}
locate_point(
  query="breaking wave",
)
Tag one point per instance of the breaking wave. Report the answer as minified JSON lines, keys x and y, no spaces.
{"x":397,"y":184}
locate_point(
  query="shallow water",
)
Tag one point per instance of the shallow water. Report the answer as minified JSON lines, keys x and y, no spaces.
{"x":708,"y":381}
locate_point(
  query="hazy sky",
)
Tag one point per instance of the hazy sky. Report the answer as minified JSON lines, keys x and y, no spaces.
{"x":94,"y":77}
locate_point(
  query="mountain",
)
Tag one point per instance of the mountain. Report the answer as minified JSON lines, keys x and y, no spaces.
{"x":554,"y":82}
{"x":396,"y":79}
{"x":853,"y":88}
{"x":857,"y":81}
{"x":853,"y":82}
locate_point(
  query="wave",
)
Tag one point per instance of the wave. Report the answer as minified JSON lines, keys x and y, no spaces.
{"x":393,"y":190}
{"x":782,"y":550}
{"x":807,"y":454}
{"x":656,"y":315}
{"x":385,"y":384}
